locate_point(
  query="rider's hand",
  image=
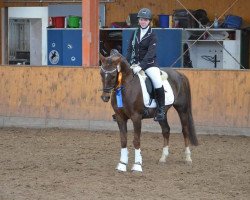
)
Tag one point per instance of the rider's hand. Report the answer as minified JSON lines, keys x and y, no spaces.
{"x":136,"y":69}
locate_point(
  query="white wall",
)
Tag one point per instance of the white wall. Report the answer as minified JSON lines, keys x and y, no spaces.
{"x":35,"y":42}
{"x":34,"y":13}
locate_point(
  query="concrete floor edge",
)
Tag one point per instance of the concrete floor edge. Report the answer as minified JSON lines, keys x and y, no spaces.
{"x":95,"y":125}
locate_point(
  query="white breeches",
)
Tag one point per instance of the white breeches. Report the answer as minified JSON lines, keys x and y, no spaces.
{"x":155,"y":76}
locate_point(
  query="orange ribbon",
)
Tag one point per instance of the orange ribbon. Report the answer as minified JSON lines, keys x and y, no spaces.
{"x":119,"y":80}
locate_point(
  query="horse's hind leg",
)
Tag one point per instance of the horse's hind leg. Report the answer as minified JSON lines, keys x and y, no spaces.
{"x":165,"y":133}
{"x":122,"y":165}
{"x":184,"y":117}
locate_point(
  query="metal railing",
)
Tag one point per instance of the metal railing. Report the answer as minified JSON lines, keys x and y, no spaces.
{"x":207,"y":31}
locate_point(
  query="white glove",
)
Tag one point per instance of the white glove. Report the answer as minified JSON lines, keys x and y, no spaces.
{"x":133,"y":66}
{"x":136,"y":69}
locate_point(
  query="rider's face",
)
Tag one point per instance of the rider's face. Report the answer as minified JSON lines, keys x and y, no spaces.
{"x":144,"y":22}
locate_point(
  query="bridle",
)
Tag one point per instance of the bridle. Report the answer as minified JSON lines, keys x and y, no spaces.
{"x":106,"y":72}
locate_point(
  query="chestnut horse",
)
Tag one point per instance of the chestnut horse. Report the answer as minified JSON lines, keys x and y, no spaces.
{"x":115,"y":72}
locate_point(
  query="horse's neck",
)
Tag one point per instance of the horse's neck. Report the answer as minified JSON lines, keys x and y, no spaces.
{"x":127,"y":73}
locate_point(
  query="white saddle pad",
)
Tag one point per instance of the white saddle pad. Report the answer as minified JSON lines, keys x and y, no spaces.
{"x":169,"y":95}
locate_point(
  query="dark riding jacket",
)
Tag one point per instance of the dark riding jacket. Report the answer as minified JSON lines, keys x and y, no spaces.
{"x":145,"y":50}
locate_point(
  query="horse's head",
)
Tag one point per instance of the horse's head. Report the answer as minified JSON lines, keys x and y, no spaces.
{"x":110,"y":66}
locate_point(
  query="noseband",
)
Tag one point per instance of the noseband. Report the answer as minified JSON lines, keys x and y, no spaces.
{"x":106,"y":72}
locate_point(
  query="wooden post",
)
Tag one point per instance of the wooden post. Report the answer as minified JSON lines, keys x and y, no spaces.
{"x":1,"y":6}
{"x":90,"y":32}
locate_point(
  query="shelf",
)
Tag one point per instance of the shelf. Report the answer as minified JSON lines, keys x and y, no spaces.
{"x":218,"y":43}
{"x":203,"y":40}
{"x":211,"y":29}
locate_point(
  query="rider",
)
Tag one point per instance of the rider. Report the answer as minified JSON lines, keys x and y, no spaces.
{"x":141,"y":54}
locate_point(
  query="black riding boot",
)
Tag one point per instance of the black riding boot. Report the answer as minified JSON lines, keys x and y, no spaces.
{"x":160,"y":100}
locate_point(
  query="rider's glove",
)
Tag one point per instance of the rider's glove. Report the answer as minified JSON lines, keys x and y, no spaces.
{"x":136,"y":69}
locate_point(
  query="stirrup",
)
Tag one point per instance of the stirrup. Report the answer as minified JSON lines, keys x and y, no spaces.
{"x":160,"y":115}
{"x":159,"y":118}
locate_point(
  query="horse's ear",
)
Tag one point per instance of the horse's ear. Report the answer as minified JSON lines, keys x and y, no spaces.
{"x":102,"y":58}
{"x":117,"y":61}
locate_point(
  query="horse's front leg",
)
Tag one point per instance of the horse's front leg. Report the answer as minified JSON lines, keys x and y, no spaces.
{"x":122,"y":165}
{"x":137,"y":135}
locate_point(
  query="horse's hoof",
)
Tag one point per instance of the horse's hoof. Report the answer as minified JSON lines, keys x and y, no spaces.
{"x":136,"y":168}
{"x":122,"y":167}
{"x":162,"y":160}
{"x":189,"y":161}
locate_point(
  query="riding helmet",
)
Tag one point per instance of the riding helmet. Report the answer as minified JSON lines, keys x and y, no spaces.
{"x":145,"y":13}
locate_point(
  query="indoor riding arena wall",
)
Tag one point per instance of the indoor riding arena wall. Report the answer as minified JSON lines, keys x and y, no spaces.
{"x":119,"y":10}
{"x":70,"y":98}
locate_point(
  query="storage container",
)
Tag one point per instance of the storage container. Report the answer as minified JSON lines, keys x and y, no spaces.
{"x":233,"y":21}
{"x":164,"y":21}
{"x":58,"y":22}
{"x":74,"y":21}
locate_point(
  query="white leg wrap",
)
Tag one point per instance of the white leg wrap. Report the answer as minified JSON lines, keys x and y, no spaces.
{"x":188,"y":155}
{"x":124,"y":155}
{"x":138,"y":161}
{"x":136,"y":168}
{"x":164,"y":155}
{"x":122,"y":165}
{"x":138,"y":158}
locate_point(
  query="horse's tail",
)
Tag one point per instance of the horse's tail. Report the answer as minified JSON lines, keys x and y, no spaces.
{"x":191,"y":128}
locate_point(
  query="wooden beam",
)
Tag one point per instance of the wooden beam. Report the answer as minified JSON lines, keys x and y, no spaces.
{"x":1,"y":4}
{"x":90,"y":32}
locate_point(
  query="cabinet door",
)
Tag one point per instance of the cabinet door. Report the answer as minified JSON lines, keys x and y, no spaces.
{"x":55,"y":48}
{"x":233,"y":47}
{"x":126,"y":35}
{"x":169,"y":47}
{"x":72,"y":47}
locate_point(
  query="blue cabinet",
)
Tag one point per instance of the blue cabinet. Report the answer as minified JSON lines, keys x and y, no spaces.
{"x":65,"y":47}
{"x":169,"y":47}
{"x":55,"y":47}
{"x":72,"y":47}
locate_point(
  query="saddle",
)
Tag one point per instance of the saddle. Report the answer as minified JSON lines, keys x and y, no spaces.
{"x":149,"y":94}
{"x":148,"y":90}
{"x":149,"y":84}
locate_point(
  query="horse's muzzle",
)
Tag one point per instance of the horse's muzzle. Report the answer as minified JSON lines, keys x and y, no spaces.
{"x":105,"y":96}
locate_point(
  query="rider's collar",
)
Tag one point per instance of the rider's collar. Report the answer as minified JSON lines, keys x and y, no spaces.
{"x":146,"y":28}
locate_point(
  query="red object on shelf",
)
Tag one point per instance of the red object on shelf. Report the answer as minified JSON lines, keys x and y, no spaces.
{"x":58,"y":22}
